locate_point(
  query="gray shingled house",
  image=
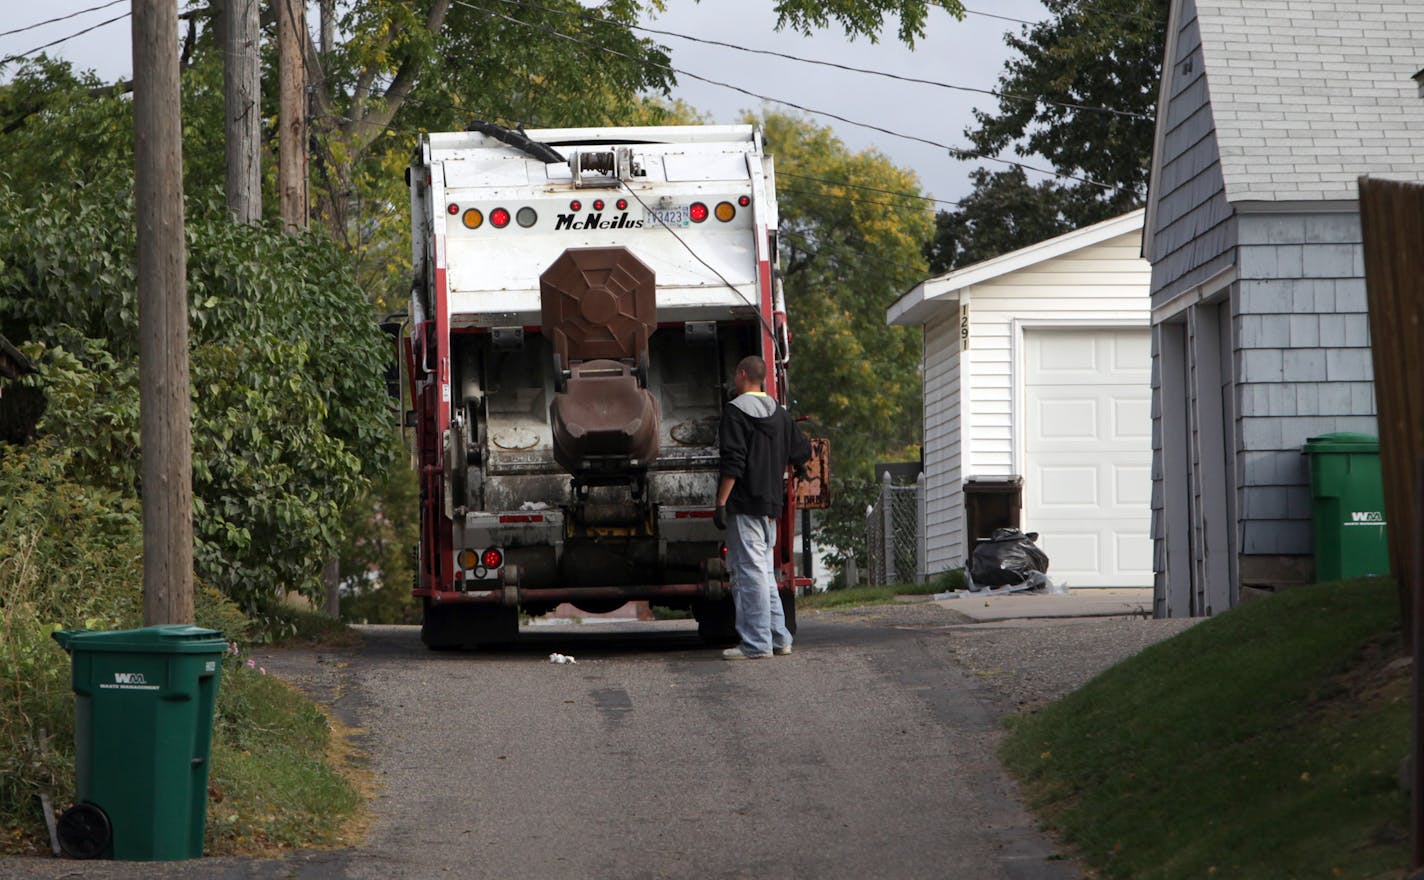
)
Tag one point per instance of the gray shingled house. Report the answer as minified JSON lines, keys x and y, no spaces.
{"x":1268,"y":114}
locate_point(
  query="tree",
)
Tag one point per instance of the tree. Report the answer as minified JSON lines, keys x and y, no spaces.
{"x":848,"y":250}
{"x":1003,"y":213}
{"x":1082,"y":93}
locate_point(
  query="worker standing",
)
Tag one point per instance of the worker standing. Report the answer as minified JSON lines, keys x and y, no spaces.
{"x":758,"y":440}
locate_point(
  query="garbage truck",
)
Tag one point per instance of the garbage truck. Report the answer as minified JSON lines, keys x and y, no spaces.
{"x":580,"y":299}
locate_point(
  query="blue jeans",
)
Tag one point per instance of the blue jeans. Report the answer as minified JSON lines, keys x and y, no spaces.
{"x":761,"y":623}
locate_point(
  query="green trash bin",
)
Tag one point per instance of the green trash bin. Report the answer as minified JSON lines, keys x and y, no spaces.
{"x":143,"y":724}
{"x":1347,"y":507}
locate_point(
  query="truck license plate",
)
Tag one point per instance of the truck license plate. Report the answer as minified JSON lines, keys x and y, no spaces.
{"x":674,"y":217}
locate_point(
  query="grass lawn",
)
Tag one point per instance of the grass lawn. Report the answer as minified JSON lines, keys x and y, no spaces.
{"x":282,"y":773}
{"x":1263,"y":743}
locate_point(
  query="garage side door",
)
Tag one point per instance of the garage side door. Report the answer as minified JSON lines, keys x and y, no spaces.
{"x":1088,"y":453}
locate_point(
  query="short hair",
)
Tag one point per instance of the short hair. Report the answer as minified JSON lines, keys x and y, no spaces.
{"x":754,"y":368}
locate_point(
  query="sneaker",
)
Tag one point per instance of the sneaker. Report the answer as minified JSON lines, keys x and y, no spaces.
{"x":739,"y":654}
{"x":781,"y":651}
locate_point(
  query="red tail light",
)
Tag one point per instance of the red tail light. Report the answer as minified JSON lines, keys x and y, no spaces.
{"x":744,"y":200}
{"x":598,"y":204}
{"x":492,"y":558}
{"x":697,"y":212}
{"x":622,"y":204}
{"x":499,"y":218}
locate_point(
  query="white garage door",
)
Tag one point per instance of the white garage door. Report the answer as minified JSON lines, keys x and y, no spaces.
{"x":1088,"y":453}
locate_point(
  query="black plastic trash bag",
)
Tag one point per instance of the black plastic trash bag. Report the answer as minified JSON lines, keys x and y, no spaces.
{"x":1008,"y":557}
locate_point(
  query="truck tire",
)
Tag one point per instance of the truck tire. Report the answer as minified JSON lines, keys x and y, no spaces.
{"x":439,"y":626}
{"x":716,"y":621}
{"x":451,"y":627}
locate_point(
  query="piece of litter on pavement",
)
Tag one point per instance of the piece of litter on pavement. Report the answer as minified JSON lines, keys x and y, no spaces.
{"x":561,"y":658}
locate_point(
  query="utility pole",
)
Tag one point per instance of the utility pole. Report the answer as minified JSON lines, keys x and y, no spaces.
{"x":165,"y":433}
{"x":328,"y":28}
{"x":242,"y":89}
{"x":291,"y":113}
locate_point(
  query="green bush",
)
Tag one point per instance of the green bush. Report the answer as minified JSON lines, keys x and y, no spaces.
{"x":289,"y":409}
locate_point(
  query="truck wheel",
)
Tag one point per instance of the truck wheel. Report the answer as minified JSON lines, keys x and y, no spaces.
{"x":450,"y":627}
{"x":716,"y":621}
{"x":788,"y":607}
{"x":492,"y":626}
{"x":439,"y":627}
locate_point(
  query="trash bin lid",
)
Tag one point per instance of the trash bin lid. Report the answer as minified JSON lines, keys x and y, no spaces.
{"x":166,"y":639}
{"x":1004,"y":483}
{"x":1341,"y":441}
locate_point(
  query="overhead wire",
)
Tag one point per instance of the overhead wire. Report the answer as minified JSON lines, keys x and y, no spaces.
{"x":23,"y":55}
{"x":40,"y":24}
{"x":955,"y":152}
{"x":863,"y":186}
{"x":850,"y":68}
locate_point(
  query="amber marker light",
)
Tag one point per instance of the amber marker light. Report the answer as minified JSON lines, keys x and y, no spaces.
{"x":469,"y":559}
{"x":472,"y":218}
{"x":725,"y":211}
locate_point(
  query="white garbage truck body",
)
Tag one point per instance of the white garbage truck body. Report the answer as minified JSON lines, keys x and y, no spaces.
{"x":581,"y":299}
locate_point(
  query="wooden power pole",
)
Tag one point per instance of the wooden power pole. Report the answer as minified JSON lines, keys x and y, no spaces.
{"x":291,"y":112}
{"x":242,"y":85}
{"x":165,"y":432}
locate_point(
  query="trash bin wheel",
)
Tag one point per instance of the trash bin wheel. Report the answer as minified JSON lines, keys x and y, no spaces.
{"x":84,"y":831}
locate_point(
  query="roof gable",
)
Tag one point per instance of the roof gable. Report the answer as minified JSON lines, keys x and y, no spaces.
{"x":917,"y":306}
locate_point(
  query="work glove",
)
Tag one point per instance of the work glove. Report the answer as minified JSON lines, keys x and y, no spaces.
{"x":719,"y":516}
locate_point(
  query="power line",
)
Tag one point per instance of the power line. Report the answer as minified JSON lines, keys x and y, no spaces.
{"x":955,"y":152}
{"x":799,"y":242}
{"x":891,"y":192}
{"x":21,"y":56}
{"x":40,"y":24}
{"x":1009,"y":96}
{"x":854,"y":200}
{"x":1103,"y":12}
{"x":999,"y":17}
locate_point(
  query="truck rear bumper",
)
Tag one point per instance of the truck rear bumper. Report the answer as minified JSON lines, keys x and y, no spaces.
{"x":513,"y":596}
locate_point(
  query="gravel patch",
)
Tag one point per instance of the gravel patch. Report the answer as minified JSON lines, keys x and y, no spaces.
{"x":1024,"y":663}
{"x":1027,"y":663}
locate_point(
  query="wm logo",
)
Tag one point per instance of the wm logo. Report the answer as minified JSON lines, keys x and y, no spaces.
{"x":129,"y":678}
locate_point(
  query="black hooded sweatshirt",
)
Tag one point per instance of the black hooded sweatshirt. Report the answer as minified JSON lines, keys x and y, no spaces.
{"x":758,"y":439}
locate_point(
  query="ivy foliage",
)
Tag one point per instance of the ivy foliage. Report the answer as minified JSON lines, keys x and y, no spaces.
{"x":285,"y":369}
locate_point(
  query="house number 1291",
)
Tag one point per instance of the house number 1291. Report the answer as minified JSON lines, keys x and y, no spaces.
{"x":964,"y":327}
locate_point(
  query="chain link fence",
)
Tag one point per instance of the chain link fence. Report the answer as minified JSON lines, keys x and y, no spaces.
{"x":894,"y":543}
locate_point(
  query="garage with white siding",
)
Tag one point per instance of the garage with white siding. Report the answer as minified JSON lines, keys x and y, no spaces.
{"x":1037,"y":364}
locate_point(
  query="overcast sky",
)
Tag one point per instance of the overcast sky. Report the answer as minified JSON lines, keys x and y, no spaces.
{"x":963,"y":53}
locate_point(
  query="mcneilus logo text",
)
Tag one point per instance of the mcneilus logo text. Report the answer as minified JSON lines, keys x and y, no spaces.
{"x":595,"y":220}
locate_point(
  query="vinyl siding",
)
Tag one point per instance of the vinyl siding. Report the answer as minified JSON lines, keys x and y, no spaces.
{"x":1102,"y":285}
{"x":944,"y":505}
